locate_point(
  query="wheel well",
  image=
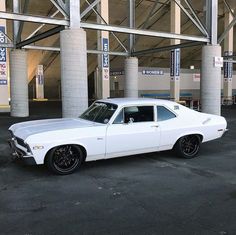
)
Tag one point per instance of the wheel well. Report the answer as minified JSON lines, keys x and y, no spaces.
{"x":200,"y":136}
{"x":77,"y":145}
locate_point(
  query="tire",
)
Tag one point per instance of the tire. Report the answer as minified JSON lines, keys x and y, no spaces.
{"x":188,"y":146}
{"x":65,"y":159}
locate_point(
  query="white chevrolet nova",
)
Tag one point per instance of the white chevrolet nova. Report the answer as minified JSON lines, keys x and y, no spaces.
{"x":113,"y":128}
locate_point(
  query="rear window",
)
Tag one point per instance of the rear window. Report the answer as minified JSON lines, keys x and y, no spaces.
{"x":164,"y":114}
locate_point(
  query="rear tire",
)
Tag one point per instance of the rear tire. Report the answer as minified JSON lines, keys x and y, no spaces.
{"x":188,"y":146}
{"x":65,"y":159}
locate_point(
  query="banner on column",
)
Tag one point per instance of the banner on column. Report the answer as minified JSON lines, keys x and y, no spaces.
{"x":175,"y":64}
{"x":3,"y":70}
{"x":105,"y":59}
{"x":228,"y":67}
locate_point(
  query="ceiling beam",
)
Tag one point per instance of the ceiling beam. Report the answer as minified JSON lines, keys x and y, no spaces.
{"x":33,"y":19}
{"x":143,"y":32}
{"x":166,"y":48}
{"x":41,"y":36}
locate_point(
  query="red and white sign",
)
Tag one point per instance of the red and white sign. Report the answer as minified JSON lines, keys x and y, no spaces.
{"x":196,"y":77}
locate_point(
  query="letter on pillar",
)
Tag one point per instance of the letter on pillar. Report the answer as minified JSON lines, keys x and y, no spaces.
{"x":175,"y":54}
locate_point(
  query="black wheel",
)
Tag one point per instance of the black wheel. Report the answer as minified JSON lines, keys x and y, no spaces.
{"x":64,"y":159}
{"x":188,"y":146}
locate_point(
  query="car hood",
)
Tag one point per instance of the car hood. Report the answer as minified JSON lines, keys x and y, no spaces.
{"x":25,"y":129}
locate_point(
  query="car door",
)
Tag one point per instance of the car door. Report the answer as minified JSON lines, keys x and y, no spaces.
{"x":133,"y":131}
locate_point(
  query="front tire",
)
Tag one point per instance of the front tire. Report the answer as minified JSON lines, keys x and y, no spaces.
{"x":188,"y":146}
{"x":65,"y":159}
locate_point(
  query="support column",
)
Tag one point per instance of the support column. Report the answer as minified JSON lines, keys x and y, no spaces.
{"x":210,"y":80}
{"x":175,"y":54}
{"x":73,"y":72}
{"x":131,"y":77}
{"x":211,"y":64}
{"x":103,"y":78}
{"x":228,"y":67}
{"x":19,"y":83}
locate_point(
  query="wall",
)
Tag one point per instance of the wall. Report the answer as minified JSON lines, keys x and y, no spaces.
{"x":151,"y":84}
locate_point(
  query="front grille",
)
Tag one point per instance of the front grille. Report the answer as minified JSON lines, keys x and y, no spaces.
{"x":20,"y":142}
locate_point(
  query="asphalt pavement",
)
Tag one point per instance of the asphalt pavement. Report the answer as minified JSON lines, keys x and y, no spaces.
{"x":156,"y":193}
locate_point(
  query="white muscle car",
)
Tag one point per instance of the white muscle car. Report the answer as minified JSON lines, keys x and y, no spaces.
{"x":112,"y":128}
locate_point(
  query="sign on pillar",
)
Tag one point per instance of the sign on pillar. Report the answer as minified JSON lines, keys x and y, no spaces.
{"x":103,"y":76}
{"x":105,"y":68}
{"x":4,"y":83}
{"x":39,"y":82}
{"x":228,"y":70}
{"x":175,"y":74}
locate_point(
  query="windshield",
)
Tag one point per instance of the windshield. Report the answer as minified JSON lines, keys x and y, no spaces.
{"x":99,"y":112}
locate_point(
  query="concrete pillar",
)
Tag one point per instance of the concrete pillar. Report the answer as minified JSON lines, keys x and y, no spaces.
{"x":19,"y":83}
{"x":175,"y":26}
{"x":210,"y":80}
{"x":228,"y":67}
{"x":131,"y":77}
{"x":74,"y":83}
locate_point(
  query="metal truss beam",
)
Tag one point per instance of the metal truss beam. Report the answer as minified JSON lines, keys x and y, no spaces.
{"x":121,"y":29}
{"x":229,"y":8}
{"x":41,"y":26}
{"x":104,"y":21}
{"x":89,"y":8}
{"x":202,"y":30}
{"x":88,"y":51}
{"x":60,"y":8}
{"x":41,"y":36}
{"x":196,"y":17}
{"x":229,"y":27}
{"x":166,"y":48}
{"x":33,"y":19}
{"x":18,"y":38}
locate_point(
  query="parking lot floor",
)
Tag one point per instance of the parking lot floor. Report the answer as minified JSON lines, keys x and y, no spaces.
{"x":155,"y":193}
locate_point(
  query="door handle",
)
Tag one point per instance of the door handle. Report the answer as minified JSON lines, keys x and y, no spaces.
{"x":155,"y":126}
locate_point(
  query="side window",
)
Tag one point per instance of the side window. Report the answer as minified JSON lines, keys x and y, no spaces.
{"x":135,"y":114}
{"x":164,"y":114}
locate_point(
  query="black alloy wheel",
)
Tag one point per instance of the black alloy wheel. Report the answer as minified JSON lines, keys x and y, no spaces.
{"x":65,"y":159}
{"x":188,"y":146}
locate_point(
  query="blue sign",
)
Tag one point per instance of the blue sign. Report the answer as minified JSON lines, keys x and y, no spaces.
{"x":3,"y":51}
{"x":105,"y":56}
{"x":3,"y":81}
{"x":228,"y":66}
{"x":152,"y":72}
{"x":175,"y":63}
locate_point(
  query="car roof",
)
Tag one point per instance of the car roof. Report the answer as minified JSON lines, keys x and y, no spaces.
{"x":135,"y":101}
